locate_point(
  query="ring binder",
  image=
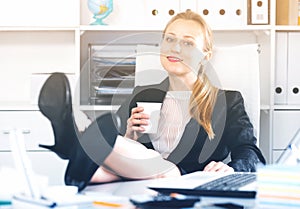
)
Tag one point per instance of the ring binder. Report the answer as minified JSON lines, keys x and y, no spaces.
{"x":258,"y":12}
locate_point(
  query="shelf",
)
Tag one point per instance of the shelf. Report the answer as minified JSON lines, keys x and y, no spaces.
{"x":23,"y":28}
{"x":287,"y":28}
{"x":117,"y":28}
{"x":15,"y":106}
{"x":287,"y":107}
{"x":98,"y":107}
{"x":244,"y":28}
{"x":265,"y":107}
{"x":147,"y":28}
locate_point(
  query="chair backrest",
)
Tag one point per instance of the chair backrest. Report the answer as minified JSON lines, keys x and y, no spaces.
{"x":231,"y":68}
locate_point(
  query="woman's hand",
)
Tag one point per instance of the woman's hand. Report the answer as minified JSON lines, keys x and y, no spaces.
{"x":218,"y":167}
{"x":135,"y":123}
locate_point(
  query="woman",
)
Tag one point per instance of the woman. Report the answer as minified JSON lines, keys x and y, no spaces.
{"x":212,"y":122}
{"x":209,"y":124}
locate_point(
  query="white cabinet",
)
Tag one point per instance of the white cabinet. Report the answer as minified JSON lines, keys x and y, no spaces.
{"x":286,"y":124}
{"x":26,"y":52}
{"x":41,"y":13}
{"x":286,"y":103}
{"x":37,"y":37}
{"x":35,"y":127}
{"x":46,"y":164}
{"x":36,"y":130}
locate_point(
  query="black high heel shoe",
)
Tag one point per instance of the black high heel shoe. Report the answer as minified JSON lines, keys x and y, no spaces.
{"x":87,"y":151}
{"x":55,"y":102}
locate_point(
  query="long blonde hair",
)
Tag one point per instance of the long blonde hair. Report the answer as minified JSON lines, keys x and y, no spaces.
{"x":204,"y":94}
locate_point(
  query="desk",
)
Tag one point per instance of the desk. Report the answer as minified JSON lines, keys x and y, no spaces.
{"x":119,"y":192}
{"x":126,"y":189}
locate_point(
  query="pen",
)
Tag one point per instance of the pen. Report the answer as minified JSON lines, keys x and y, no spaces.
{"x":109,"y":204}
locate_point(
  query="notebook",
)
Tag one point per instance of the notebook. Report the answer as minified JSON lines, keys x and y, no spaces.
{"x":196,"y":183}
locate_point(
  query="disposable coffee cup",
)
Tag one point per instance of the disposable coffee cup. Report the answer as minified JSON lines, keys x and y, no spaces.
{"x":153,"y":110}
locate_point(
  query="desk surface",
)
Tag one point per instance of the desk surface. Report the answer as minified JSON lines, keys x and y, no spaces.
{"x":124,"y":190}
{"x":119,"y":192}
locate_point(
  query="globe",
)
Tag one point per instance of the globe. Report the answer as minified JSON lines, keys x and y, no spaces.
{"x":100,"y":9}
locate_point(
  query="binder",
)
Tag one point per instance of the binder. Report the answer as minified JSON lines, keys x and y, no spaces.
{"x":259,"y":12}
{"x":293,"y":94}
{"x":223,"y":13}
{"x":287,"y":12}
{"x":158,"y":13}
{"x":280,"y":89}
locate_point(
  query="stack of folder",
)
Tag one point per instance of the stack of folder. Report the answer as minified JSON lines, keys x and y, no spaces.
{"x":278,"y":186}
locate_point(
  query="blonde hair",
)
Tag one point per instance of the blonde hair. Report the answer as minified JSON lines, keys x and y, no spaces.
{"x":204,"y":94}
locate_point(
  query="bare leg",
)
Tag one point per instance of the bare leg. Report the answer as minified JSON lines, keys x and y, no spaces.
{"x":132,"y":160}
{"x":103,"y":175}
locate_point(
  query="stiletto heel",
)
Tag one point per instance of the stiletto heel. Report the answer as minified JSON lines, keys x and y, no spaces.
{"x":55,"y":102}
{"x":87,"y":151}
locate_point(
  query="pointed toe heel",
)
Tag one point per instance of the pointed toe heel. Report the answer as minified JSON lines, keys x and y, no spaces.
{"x":55,"y":103}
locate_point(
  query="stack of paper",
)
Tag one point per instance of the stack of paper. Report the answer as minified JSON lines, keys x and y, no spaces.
{"x":278,"y":186}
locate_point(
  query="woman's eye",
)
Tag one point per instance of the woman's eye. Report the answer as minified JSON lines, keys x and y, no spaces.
{"x":169,"y":39}
{"x":188,"y":43}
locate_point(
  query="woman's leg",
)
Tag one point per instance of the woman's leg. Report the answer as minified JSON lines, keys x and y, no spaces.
{"x":103,"y":175}
{"x":85,"y":151}
{"x":88,"y":151}
{"x":92,"y":148}
{"x":132,"y":160}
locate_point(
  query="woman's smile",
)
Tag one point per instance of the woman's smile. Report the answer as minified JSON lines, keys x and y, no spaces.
{"x":174,"y":59}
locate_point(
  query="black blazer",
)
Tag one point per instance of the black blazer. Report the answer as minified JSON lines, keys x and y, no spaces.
{"x":231,"y":124}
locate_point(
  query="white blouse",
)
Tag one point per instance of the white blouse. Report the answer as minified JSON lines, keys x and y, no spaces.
{"x":174,"y":116}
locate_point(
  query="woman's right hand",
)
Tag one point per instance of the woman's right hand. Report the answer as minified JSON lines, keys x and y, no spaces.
{"x":136,"y":122}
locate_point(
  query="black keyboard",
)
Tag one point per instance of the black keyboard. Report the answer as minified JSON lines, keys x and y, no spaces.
{"x":227,"y":186}
{"x":230,"y":182}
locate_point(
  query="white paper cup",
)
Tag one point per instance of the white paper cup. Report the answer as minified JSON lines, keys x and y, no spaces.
{"x":153,"y":110}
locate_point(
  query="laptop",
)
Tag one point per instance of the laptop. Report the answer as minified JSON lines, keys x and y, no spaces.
{"x":228,"y":185}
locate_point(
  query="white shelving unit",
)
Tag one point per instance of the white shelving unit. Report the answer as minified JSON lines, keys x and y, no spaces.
{"x":44,"y":39}
{"x":36,"y":39}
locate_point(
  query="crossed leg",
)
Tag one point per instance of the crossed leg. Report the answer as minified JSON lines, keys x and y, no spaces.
{"x":132,"y":160}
